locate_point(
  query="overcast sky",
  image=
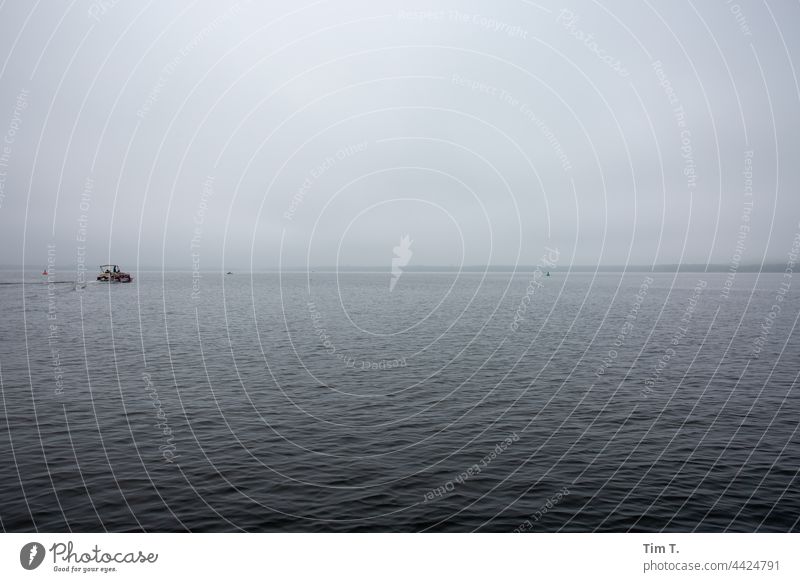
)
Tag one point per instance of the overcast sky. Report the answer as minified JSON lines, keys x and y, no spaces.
{"x":321,"y":132}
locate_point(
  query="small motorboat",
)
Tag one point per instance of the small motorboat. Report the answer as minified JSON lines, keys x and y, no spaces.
{"x":112,"y":274}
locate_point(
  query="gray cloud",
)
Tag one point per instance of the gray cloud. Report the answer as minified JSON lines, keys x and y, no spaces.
{"x":322,"y":132}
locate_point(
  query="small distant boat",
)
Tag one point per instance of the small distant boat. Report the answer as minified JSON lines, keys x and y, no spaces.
{"x":229,"y":273}
{"x":548,"y":274}
{"x":112,"y":274}
{"x":45,"y":271}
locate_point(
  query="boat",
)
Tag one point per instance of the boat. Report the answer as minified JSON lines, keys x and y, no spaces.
{"x":112,"y":274}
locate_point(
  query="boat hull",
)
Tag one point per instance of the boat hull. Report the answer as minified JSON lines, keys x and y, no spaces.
{"x":115,"y":278}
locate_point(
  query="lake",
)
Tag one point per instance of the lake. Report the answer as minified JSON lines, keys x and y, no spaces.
{"x":452,"y":402}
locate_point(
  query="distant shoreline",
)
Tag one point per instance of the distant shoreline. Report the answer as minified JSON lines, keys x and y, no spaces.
{"x":688,"y":268}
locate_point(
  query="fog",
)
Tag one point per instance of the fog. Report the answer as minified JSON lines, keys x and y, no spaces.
{"x":241,"y":136}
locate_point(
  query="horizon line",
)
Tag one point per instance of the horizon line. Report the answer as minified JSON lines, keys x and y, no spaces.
{"x":662,"y":267}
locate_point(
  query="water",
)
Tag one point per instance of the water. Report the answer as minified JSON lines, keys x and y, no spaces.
{"x":323,"y":403}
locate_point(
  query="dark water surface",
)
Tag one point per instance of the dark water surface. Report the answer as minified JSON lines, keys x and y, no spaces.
{"x":282,"y":403}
